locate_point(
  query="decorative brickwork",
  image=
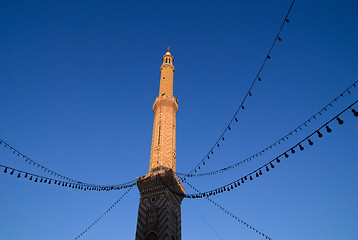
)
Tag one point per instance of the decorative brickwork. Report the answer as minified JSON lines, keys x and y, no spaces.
{"x":159,"y":213}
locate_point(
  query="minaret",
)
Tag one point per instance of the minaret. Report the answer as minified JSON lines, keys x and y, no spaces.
{"x":162,"y":154}
{"x":159,"y":213}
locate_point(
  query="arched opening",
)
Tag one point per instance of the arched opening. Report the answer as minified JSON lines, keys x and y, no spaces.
{"x":152,"y":236}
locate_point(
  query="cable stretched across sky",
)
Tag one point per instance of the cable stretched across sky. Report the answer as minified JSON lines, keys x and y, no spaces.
{"x":248,"y":93}
{"x":300,"y":127}
{"x":99,"y":218}
{"x":270,"y":165}
{"x":228,"y":212}
{"x":33,"y":162}
{"x":67,"y":179}
{"x":75,"y":185}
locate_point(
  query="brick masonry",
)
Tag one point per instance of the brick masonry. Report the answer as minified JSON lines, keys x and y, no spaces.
{"x":163,"y":152}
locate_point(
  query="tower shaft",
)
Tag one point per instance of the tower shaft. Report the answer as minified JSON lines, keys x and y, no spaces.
{"x":163,"y":152}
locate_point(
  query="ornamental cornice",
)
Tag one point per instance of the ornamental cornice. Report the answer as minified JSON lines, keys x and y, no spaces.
{"x":167,"y":65}
{"x":166,"y":56}
{"x":165,"y":101}
{"x":154,"y":182}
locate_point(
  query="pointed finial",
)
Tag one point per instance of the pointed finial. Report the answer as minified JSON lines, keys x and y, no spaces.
{"x":168,"y":49}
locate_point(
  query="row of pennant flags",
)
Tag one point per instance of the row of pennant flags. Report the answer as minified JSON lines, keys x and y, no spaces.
{"x":276,"y":143}
{"x":271,"y":164}
{"x":249,"y":93}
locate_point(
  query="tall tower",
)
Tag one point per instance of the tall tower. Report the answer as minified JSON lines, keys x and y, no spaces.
{"x":159,"y":213}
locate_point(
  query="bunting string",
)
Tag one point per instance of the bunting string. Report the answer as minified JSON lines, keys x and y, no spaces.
{"x":239,"y":220}
{"x":66,"y":179}
{"x":248,"y":93}
{"x":75,"y":185}
{"x":104,"y":214}
{"x":278,"y":142}
{"x":32,"y":162}
{"x":271,"y":164}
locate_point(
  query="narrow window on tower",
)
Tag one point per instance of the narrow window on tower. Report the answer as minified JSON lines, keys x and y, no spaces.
{"x":159,"y":136}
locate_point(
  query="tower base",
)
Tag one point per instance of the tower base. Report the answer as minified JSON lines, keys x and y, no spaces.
{"x":159,"y":213}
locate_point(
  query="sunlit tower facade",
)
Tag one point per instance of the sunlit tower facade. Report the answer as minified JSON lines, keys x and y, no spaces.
{"x":159,"y":212}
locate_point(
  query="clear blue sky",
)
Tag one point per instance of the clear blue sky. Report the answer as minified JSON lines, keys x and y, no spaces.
{"x":77,"y":84}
